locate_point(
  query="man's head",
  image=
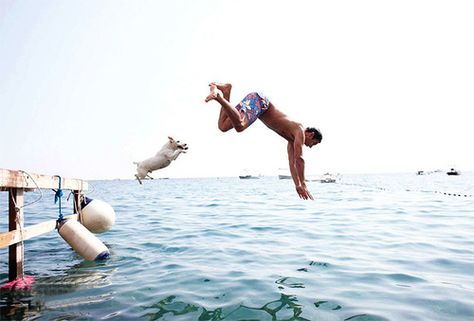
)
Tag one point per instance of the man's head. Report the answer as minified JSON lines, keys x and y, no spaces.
{"x":312,"y":136}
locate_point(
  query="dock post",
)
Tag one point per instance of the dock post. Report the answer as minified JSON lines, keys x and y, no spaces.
{"x":15,"y":251}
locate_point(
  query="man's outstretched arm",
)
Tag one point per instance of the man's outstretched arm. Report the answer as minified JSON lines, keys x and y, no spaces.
{"x":296,"y":162}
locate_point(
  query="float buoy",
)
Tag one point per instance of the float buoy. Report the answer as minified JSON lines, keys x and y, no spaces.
{"x":82,"y":241}
{"x":97,"y":216}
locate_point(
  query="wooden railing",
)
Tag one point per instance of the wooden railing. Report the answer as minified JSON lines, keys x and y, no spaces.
{"x":16,"y":183}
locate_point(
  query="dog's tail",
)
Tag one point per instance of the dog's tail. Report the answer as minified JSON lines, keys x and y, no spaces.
{"x":136,"y":163}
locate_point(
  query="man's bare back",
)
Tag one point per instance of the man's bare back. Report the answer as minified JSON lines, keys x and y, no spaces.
{"x":280,"y":123}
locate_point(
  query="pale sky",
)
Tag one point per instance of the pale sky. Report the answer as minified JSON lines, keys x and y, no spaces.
{"x":88,"y":87}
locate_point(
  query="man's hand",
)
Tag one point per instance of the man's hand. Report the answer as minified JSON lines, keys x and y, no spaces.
{"x":304,"y":193}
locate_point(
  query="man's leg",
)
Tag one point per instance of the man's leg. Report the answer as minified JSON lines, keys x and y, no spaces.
{"x":229,"y":117}
{"x":224,"y":122}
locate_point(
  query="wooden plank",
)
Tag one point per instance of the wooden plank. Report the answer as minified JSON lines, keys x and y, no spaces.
{"x":22,"y":179}
{"x":15,"y":223}
{"x":14,"y":237}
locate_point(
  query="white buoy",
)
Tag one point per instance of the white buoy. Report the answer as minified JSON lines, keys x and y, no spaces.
{"x":82,"y":241}
{"x":97,"y":216}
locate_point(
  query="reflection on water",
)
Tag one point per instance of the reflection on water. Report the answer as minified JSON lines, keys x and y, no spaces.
{"x":287,"y":304}
{"x":286,"y":282}
{"x":80,"y":276}
{"x":27,"y":304}
{"x":285,"y":308}
{"x":169,"y":305}
{"x":327,"y":305}
{"x":17,"y":306}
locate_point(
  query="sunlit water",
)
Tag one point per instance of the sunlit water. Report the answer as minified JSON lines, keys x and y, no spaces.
{"x":370,"y":247}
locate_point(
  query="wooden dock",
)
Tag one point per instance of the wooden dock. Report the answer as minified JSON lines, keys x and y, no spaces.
{"x":16,"y":183}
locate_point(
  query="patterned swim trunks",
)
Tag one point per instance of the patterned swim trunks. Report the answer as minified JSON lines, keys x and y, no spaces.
{"x":252,"y":106}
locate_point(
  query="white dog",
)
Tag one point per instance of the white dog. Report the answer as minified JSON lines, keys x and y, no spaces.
{"x":168,"y":153}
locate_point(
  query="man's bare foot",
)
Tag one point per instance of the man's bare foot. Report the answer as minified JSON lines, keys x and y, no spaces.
{"x":225,"y":88}
{"x":211,"y":96}
{"x":215,"y":92}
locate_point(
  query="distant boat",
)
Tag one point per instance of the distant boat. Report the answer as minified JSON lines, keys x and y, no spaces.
{"x":284,"y":174}
{"x":420,"y":173}
{"x":327,"y":178}
{"x":248,"y":177}
{"x":452,"y":171}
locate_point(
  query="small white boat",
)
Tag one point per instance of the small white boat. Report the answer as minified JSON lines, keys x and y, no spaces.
{"x":284,"y":173}
{"x":248,"y":177}
{"x":452,"y":171}
{"x":325,"y":178}
{"x":328,"y":178}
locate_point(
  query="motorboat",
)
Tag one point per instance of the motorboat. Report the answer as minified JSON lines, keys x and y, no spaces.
{"x":248,"y":177}
{"x":452,"y":171}
{"x":284,"y":174}
{"x":327,"y":178}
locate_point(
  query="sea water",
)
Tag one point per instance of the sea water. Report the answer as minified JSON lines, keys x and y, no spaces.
{"x":369,"y":247}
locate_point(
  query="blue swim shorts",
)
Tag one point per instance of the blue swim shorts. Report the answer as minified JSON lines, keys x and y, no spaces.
{"x":252,"y":106}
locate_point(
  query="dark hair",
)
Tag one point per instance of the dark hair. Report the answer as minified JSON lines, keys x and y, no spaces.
{"x":317,"y":133}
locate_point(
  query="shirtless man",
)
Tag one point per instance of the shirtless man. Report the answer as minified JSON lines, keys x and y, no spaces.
{"x":256,"y":105}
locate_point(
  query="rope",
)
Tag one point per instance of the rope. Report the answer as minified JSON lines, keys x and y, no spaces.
{"x":37,"y":188}
{"x":76,"y":205}
{"x":451,"y":194}
{"x":58,"y":193}
{"x":93,"y":190}
{"x":18,"y":221}
{"x":18,"y":208}
{"x":407,"y":190}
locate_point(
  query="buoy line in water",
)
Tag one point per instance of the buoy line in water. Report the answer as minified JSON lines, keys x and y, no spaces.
{"x":452,"y":194}
{"x":407,"y":190}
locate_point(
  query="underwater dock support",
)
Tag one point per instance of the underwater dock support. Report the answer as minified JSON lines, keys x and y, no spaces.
{"x":16,"y":183}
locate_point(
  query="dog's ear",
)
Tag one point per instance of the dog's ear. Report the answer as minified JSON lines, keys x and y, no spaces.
{"x":171,"y":139}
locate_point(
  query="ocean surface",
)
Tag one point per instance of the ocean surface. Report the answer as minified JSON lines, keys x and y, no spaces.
{"x":369,"y":247}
